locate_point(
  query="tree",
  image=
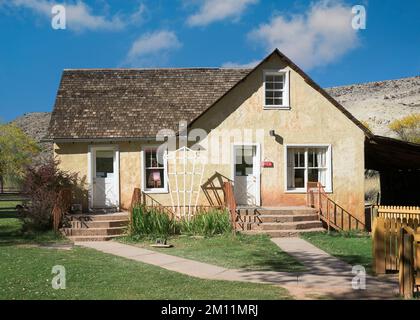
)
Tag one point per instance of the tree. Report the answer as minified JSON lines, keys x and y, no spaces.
{"x":16,"y":152}
{"x":407,"y":128}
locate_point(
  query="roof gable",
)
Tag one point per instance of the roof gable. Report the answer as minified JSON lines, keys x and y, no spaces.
{"x":312,"y":83}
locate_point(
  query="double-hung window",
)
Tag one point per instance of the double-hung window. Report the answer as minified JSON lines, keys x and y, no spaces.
{"x":154,"y":171}
{"x":276,"y":89}
{"x":308,"y":164}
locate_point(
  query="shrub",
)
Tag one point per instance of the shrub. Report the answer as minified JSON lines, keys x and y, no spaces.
{"x":152,"y":223}
{"x":407,"y":128}
{"x":207,"y":223}
{"x":42,"y":185}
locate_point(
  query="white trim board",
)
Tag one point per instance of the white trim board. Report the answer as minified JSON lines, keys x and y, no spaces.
{"x":328,"y":188}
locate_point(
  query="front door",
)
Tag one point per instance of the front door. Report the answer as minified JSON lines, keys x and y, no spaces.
{"x":105,"y":193}
{"x":246,"y":175}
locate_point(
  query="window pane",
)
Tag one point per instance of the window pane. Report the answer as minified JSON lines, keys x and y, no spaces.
{"x":299,"y":178}
{"x":269,"y":94}
{"x":104,"y":166}
{"x":249,"y":170}
{"x":278,"y":94}
{"x":151,"y":159}
{"x":278,"y":78}
{"x":269,"y":102}
{"x":155,"y":178}
{"x":278,"y":85}
{"x":269,"y":85}
{"x":278,"y":102}
{"x":311,"y":158}
{"x":317,"y":175}
{"x":317,"y":157}
{"x":269,"y":78}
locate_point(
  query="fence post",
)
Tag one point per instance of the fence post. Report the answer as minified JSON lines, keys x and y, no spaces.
{"x":406,"y":272}
{"x":378,"y":246}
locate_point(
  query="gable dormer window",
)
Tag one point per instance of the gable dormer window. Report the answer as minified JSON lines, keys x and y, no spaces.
{"x":276,"y":89}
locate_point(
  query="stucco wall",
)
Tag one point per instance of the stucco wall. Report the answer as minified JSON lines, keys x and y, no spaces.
{"x":312,"y":119}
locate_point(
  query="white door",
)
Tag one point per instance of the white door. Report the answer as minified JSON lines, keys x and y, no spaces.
{"x":105,"y":193}
{"x":246,"y":175}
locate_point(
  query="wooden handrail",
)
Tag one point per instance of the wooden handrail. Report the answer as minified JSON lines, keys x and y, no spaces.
{"x":150,"y":202}
{"x":334,"y":215}
{"x":230,"y":203}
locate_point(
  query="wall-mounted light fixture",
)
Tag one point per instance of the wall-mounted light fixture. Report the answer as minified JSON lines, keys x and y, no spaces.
{"x":272,"y":133}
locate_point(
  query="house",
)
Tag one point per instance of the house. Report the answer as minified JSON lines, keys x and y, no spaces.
{"x":270,"y":130}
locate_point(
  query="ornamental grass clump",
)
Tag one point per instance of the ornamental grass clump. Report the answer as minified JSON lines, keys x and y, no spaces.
{"x":152,"y":223}
{"x":209,"y":223}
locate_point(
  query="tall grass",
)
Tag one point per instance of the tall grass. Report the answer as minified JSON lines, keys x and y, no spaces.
{"x":207,"y":223}
{"x":152,"y":223}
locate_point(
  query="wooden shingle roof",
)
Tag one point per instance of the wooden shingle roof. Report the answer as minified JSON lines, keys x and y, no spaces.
{"x":134,"y":103}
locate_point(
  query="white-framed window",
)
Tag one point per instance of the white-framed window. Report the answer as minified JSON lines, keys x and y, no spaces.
{"x":276,"y":89}
{"x":155,"y":171}
{"x":308,"y":163}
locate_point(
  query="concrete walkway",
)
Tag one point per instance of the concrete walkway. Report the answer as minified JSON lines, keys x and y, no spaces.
{"x":326,"y":276}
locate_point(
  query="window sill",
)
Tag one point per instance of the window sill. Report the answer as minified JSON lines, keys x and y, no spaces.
{"x":156,"y":191}
{"x":276,"y":107}
{"x":301,"y":191}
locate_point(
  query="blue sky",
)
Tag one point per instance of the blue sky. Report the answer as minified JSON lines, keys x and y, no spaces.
{"x":193,"y":33}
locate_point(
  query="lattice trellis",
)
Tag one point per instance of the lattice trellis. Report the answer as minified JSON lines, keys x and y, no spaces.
{"x":184,"y":176}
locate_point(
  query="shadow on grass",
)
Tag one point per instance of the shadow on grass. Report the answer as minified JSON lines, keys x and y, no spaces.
{"x":11,"y":232}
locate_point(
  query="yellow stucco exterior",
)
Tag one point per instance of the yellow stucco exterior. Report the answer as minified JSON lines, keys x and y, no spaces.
{"x":311,"y":120}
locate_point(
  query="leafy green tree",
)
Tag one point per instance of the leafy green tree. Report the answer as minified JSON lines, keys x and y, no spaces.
{"x":407,"y":128}
{"x":16,"y":152}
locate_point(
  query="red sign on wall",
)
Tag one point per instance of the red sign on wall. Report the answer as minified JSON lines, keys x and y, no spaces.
{"x":267,"y":164}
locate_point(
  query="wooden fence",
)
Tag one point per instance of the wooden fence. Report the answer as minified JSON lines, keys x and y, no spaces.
{"x":396,"y":245}
{"x":230,"y":203}
{"x":397,"y":212}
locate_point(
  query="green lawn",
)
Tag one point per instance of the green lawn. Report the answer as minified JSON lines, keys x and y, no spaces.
{"x":8,"y":207}
{"x":256,"y":252}
{"x":26,"y":274}
{"x":25,"y":270}
{"x":350,"y":247}
{"x":11,"y":233}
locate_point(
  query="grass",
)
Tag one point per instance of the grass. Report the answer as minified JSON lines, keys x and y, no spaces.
{"x":11,"y":234}
{"x":8,"y":206}
{"x":25,"y":270}
{"x":353,"y":248}
{"x":26,"y":274}
{"x":256,"y":252}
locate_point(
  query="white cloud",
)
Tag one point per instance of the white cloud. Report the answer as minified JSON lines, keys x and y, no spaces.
{"x":152,"y":48}
{"x":235,"y":65}
{"x":216,"y":10}
{"x":79,"y":16}
{"x":320,"y":36}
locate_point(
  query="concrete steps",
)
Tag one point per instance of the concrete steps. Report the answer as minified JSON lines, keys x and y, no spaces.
{"x":279,"y":221}
{"x":96,"y":227}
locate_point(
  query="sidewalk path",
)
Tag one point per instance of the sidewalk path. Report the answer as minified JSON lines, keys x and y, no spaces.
{"x":327,"y":276}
